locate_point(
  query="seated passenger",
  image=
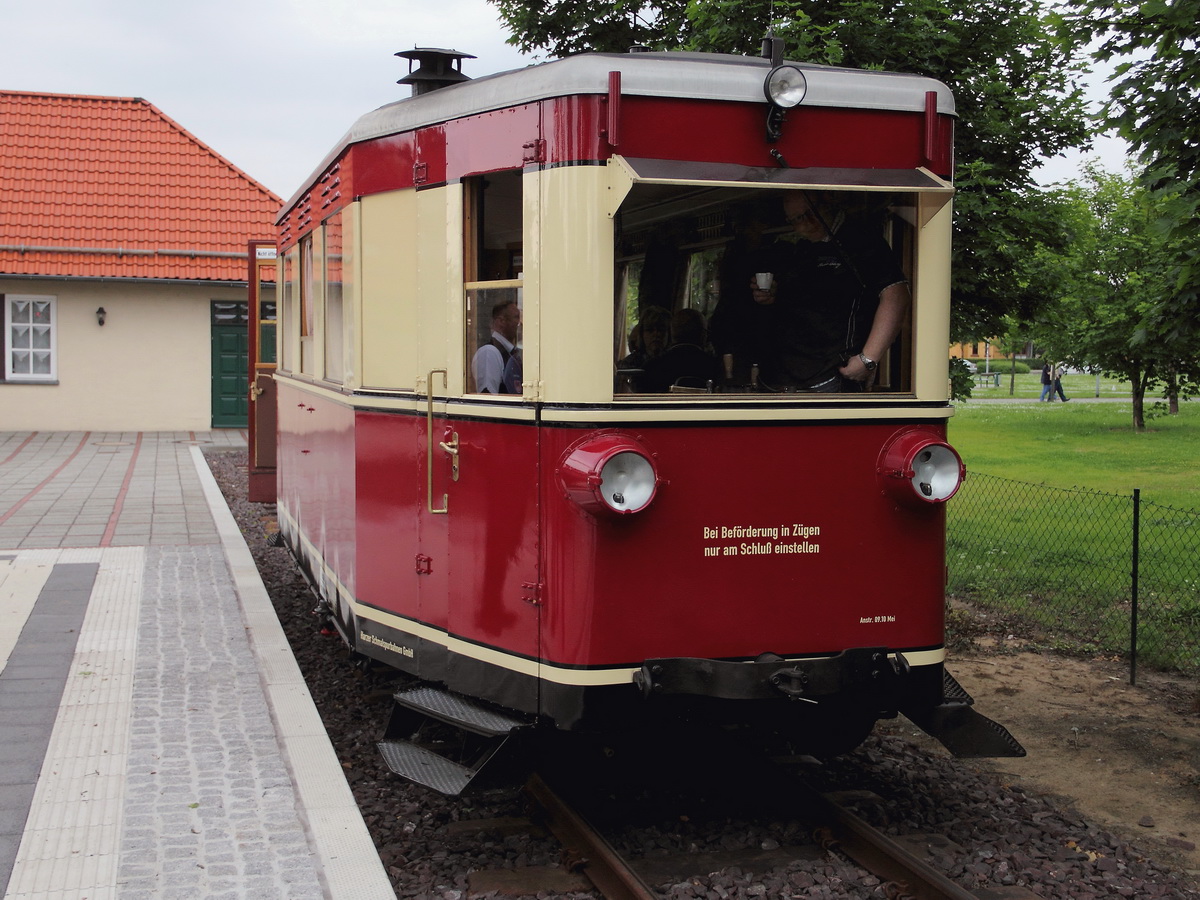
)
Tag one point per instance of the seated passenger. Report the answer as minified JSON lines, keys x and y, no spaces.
{"x":647,"y":342}
{"x":687,"y":362}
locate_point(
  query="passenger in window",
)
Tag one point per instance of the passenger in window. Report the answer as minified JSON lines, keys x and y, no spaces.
{"x":491,"y":359}
{"x":510,"y":381}
{"x":687,"y":362}
{"x":834,"y":301}
{"x":647,"y":342}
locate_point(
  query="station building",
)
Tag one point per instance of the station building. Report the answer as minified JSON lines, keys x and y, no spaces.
{"x":123,"y":243}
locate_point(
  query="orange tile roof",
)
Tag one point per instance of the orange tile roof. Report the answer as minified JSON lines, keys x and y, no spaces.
{"x":109,"y":187}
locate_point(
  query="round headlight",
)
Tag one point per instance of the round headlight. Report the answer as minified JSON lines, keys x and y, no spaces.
{"x":918,"y":468}
{"x":609,"y":473}
{"x":627,"y":481}
{"x":785,"y":86}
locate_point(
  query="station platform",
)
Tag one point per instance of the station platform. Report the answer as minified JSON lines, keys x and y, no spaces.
{"x":157,"y":739}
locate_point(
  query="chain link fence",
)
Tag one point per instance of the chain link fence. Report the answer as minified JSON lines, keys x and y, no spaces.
{"x":1077,"y":570}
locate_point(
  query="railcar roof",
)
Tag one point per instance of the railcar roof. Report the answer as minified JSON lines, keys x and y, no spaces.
{"x":709,"y":76}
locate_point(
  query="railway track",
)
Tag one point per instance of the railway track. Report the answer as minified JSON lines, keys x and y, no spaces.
{"x":591,"y":861}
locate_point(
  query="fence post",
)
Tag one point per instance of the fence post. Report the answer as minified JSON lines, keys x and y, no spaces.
{"x":1133,"y":581}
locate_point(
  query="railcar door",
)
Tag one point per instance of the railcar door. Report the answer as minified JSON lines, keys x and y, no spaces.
{"x":435,"y":447}
{"x":437,"y":465}
{"x":493,"y":504}
{"x":262,"y":353}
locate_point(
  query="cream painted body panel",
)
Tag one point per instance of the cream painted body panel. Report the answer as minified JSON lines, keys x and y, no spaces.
{"x":575,"y":261}
{"x":931,"y":307}
{"x":439,"y":295}
{"x":389,"y":338}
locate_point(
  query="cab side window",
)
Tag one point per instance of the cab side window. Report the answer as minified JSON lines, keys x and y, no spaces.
{"x":492,"y":257}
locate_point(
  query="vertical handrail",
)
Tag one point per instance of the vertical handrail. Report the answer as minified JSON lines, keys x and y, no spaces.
{"x":429,"y":443}
{"x":1133,"y":585}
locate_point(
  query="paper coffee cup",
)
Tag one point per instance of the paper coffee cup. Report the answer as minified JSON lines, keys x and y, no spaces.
{"x":764,"y":280}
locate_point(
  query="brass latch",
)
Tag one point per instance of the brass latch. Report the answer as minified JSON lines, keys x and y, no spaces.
{"x":452,"y":449}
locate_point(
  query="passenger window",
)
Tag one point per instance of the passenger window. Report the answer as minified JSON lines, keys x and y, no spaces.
{"x":309,"y":287}
{"x":289,"y":310}
{"x":493,"y":264}
{"x":690,"y":315}
{"x":335,"y":369}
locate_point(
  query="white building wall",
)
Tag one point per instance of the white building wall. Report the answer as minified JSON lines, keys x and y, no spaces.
{"x":148,"y":368}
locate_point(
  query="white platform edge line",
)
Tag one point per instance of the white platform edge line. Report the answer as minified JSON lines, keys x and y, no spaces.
{"x":350,"y":866}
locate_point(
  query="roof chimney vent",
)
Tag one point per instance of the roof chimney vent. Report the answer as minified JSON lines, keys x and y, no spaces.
{"x":435,"y":69}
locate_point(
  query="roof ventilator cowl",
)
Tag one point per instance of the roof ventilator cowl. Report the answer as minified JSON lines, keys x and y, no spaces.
{"x":435,"y":69}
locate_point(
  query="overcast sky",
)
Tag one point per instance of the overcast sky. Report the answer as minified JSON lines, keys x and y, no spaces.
{"x":271,"y":85}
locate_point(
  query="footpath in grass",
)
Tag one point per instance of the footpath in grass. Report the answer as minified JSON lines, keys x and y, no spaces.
{"x":1028,"y":386}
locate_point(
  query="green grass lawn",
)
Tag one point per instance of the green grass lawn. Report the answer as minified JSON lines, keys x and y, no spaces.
{"x":1085,"y":445}
{"x":1043,"y":532}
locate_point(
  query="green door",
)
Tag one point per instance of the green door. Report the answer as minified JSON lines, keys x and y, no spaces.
{"x":230,"y":363}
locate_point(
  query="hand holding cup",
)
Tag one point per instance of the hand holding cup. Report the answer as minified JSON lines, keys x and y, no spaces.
{"x":762,"y":288}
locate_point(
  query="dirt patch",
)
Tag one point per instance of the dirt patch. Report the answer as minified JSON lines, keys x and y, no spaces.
{"x":1126,"y":757}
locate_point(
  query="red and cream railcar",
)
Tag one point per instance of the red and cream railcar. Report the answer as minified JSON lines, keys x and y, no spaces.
{"x":575,"y":554}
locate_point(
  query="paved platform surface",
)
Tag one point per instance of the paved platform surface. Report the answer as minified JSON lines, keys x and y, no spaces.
{"x":156,"y":737}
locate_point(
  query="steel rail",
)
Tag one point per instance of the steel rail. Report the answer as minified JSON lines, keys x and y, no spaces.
{"x":587,"y":850}
{"x":879,"y":854}
{"x":905,"y":876}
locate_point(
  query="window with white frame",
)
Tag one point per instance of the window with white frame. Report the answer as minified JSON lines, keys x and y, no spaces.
{"x":30,"y":337}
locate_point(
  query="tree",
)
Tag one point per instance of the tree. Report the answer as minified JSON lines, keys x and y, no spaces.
{"x":1114,"y":282}
{"x":1015,"y":86}
{"x":1155,"y":105}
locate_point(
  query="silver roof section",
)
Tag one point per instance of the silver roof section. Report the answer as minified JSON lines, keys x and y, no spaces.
{"x":708,"y":76}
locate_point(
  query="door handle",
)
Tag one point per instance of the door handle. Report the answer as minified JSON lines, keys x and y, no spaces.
{"x":445,"y":507}
{"x":452,"y":449}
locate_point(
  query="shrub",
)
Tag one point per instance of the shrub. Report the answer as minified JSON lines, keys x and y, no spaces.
{"x":1004,"y":365}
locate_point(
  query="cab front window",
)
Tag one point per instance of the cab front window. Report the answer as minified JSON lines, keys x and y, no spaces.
{"x":730,"y":290}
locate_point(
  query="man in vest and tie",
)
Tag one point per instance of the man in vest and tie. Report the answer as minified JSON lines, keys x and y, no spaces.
{"x":491,"y":359}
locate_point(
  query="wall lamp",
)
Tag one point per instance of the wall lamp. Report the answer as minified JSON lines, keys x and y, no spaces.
{"x":100,"y":316}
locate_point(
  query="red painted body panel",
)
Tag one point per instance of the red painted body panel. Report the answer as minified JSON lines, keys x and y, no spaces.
{"x":317,"y":476}
{"x":621,"y":590}
{"x":382,"y":165}
{"x":490,"y":142}
{"x":673,"y":580}
{"x":712,"y":131}
{"x":493,"y":522}
{"x":480,"y":558}
{"x":390,"y":479}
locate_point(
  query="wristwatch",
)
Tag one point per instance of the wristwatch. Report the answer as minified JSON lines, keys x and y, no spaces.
{"x":868,"y":362}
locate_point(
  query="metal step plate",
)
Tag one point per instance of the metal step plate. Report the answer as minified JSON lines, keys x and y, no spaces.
{"x":458,"y":710}
{"x":425,"y":767}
